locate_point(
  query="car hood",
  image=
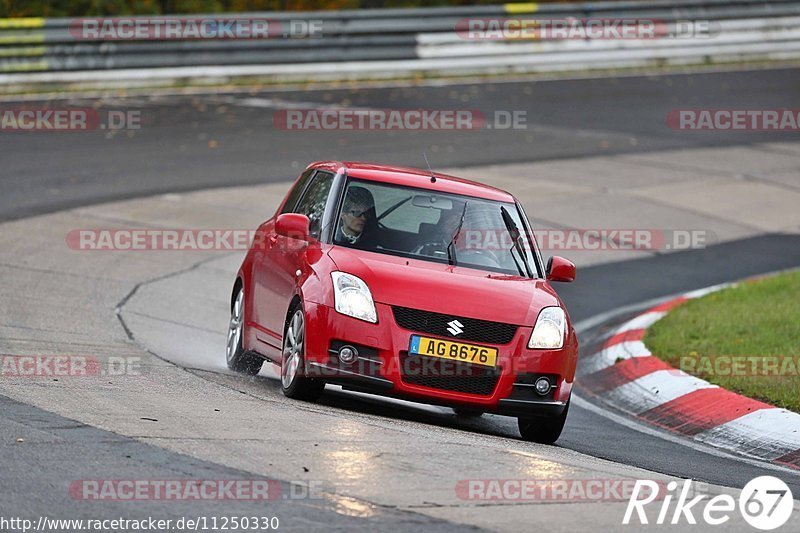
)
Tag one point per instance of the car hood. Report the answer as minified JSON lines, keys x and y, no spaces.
{"x":447,"y":289}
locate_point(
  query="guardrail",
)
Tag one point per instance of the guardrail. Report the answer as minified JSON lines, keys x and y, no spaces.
{"x":387,"y":41}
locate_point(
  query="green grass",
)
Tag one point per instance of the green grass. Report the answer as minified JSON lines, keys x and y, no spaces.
{"x":758,"y":319}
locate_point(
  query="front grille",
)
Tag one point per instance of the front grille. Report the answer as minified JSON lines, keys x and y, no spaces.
{"x":437,"y":324}
{"x":448,"y":375}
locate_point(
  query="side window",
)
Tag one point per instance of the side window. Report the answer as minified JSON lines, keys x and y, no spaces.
{"x":294,"y":195}
{"x":312,"y":204}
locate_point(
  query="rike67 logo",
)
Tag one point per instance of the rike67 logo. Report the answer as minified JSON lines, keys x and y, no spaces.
{"x":765,"y":503}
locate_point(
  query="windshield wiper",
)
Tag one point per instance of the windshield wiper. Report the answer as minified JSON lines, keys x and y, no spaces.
{"x":451,"y":256}
{"x":512,"y":229}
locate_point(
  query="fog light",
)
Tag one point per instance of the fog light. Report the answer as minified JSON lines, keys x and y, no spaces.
{"x":542,"y":386}
{"x":348,"y":355}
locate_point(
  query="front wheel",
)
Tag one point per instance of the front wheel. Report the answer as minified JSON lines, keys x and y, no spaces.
{"x":293,"y":383}
{"x":542,"y":429}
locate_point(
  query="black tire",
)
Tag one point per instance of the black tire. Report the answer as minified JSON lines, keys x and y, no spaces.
{"x":467,"y":412}
{"x":238,"y":359}
{"x":294,"y":383}
{"x":544,"y":430}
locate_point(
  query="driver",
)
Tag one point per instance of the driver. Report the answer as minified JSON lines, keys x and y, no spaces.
{"x":357,"y":208}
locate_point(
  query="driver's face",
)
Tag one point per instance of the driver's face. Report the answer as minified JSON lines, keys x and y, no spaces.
{"x":354,"y":218}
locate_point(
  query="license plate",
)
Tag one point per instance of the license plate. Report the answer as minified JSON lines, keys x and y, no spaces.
{"x":454,"y":351}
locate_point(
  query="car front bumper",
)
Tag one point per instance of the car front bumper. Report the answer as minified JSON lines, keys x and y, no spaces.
{"x":383,"y":366}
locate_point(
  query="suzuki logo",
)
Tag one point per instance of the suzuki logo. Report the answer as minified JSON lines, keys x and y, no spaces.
{"x":455,"y":327}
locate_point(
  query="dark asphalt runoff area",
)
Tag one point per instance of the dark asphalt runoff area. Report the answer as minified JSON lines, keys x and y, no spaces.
{"x":194,"y":142}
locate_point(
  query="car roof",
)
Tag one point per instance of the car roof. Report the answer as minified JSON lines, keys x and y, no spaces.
{"x":414,"y":177}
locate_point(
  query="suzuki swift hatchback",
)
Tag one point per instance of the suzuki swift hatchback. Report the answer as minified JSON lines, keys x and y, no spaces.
{"x":408,"y":284}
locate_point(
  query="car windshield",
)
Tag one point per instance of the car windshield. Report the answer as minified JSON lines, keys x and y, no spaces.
{"x":433,"y":226}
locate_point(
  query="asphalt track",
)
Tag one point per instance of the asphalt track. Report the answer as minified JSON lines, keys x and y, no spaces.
{"x":69,"y":450}
{"x":205,"y":141}
{"x":187,"y":143}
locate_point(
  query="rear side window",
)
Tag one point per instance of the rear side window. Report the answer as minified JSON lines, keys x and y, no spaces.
{"x":312,"y":204}
{"x":295,"y":193}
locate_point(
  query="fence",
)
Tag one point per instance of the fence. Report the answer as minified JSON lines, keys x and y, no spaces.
{"x":388,"y":42}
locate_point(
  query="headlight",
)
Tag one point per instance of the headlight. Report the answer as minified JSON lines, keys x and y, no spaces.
{"x":352,"y":297}
{"x":548,"y":333}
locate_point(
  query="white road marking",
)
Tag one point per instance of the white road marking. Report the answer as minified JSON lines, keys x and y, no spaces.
{"x":278,"y":103}
{"x":622,"y":350}
{"x":708,"y":290}
{"x":655,"y":389}
{"x":767,"y":433}
{"x":645,"y":320}
{"x":765,"y":428}
{"x":645,"y":429}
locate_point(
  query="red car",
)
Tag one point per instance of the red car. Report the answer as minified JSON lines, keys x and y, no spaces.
{"x":409,"y":284}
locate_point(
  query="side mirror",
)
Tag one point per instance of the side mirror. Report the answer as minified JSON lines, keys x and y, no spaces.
{"x":292,"y":225}
{"x":560,"y":269}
